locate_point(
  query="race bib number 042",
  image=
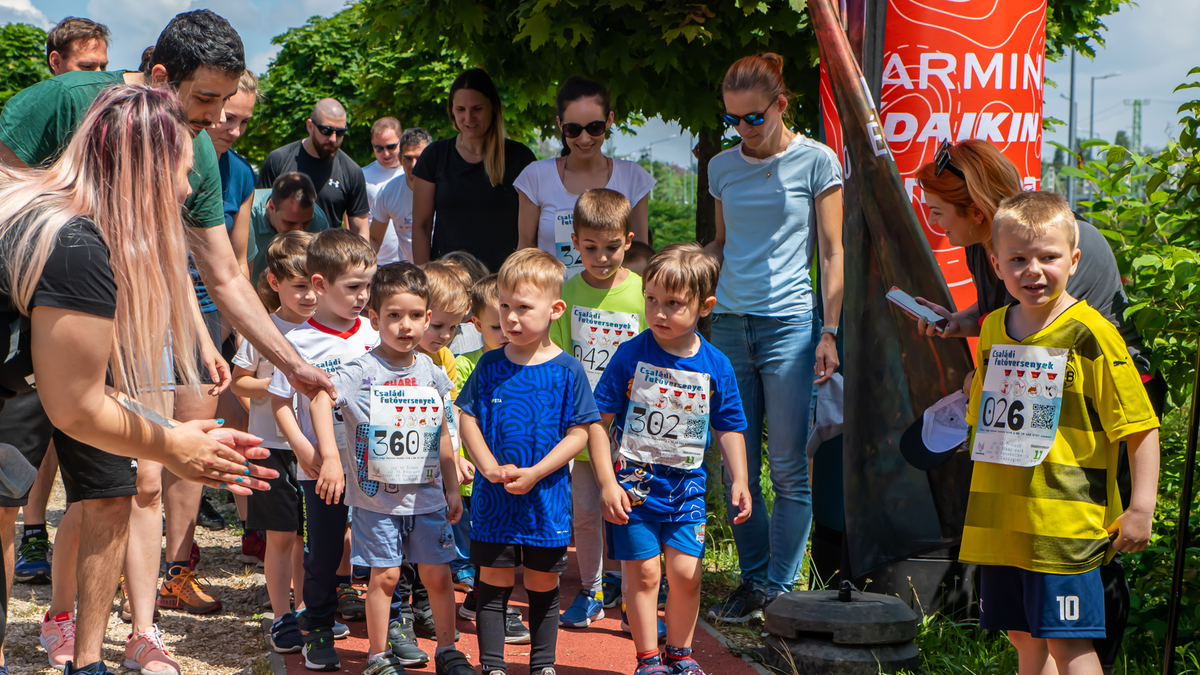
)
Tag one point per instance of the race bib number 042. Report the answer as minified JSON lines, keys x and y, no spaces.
{"x":667,"y":419}
{"x":406,"y":430}
{"x":595,"y":336}
{"x":1018,"y":410}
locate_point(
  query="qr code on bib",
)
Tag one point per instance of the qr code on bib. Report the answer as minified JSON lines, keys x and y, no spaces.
{"x":1043,"y":417}
{"x":695,"y":428}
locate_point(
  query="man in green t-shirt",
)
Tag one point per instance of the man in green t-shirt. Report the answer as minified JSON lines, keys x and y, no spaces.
{"x":289,"y":206}
{"x":200,"y":56}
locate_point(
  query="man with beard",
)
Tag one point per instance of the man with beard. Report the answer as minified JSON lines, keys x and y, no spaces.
{"x":341,"y":188}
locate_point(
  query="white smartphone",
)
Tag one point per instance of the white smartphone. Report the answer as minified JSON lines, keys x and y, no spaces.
{"x":907,"y":303}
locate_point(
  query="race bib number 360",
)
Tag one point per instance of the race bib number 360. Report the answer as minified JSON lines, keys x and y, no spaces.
{"x":1018,"y":411}
{"x":595,"y":336}
{"x":667,"y":420}
{"x":406,"y":430}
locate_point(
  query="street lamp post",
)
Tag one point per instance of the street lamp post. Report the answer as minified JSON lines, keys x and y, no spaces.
{"x":649,"y":147}
{"x":1092,"y":104}
{"x":1071,"y":131}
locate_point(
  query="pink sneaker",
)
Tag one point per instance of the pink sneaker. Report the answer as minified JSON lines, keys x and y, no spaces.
{"x":146,"y":653}
{"x":58,"y":638}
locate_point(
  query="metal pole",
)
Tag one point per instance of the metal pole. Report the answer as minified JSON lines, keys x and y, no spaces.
{"x":1071,"y":133}
{"x":1181,"y":531}
{"x":1092,"y":112}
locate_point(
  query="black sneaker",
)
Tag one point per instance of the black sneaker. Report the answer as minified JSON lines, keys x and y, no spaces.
{"x":467,"y":609}
{"x":351,"y":605}
{"x":285,"y":635}
{"x":208,"y":516}
{"x":423,"y":625}
{"x":403,"y":644}
{"x":319,"y":653}
{"x":385,"y":666}
{"x":745,"y":603}
{"x":515,"y":632}
{"x":97,"y":668}
{"x":452,"y":662}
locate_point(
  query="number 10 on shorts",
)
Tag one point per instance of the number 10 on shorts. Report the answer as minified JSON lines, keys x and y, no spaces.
{"x":1068,"y":607}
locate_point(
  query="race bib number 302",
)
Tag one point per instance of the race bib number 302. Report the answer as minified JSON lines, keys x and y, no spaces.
{"x":667,"y":419}
{"x":406,"y":430}
{"x":1018,"y":411}
{"x":595,"y":336}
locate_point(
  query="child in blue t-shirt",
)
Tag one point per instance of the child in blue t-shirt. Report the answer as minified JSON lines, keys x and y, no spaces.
{"x":661,"y":392}
{"x":525,"y":413}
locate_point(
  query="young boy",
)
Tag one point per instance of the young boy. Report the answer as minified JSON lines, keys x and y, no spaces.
{"x":278,"y":511}
{"x":604,"y":310}
{"x":404,"y":487}
{"x":525,"y":414}
{"x":450,"y":301}
{"x":341,"y":264}
{"x":1055,"y":395}
{"x":663,"y":390}
{"x":638,"y":255}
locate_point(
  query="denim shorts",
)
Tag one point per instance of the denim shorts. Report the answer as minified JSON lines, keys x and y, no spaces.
{"x":383,"y":540}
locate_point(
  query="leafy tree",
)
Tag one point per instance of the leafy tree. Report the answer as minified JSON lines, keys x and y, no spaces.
{"x":23,"y":59}
{"x":1122,"y":139}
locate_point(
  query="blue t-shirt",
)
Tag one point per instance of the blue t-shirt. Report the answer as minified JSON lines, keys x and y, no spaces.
{"x":524,"y":411}
{"x":770,"y":225}
{"x":664,"y":493}
{"x":237,"y":184}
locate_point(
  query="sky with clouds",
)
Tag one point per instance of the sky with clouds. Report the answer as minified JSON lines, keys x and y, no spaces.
{"x":1152,"y":45}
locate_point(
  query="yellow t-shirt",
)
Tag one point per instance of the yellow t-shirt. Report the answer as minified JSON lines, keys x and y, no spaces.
{"x":1052,"y":517}
{"x":444,"y":358}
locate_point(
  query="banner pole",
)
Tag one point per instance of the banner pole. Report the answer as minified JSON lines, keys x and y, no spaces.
{"x":1181,"y":533}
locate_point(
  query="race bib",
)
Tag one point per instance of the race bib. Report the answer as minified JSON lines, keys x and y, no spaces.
{"x":595,"y":336}
{"x":1018,"y":411}
{"x":564,"y":250}
{"x":406,"y":427}
{"x":667,"y":419}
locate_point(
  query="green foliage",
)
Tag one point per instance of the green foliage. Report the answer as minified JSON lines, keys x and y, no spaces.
{"x":23,"y":59}
{"x":1078,"y":24}
{"x":671,"y":223}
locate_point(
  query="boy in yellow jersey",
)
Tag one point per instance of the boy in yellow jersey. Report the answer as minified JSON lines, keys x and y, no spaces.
{"x":1054,"y":396}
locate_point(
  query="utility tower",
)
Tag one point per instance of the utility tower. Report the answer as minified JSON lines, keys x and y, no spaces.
{"x":1135,"y":134}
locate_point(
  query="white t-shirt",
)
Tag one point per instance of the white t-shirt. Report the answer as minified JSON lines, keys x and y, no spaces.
{"x":377,"y":177}
{"x":262,"y":420}
{"x":395,"y":203}
{"x":326,"y":349}
{"x":543,"y":186}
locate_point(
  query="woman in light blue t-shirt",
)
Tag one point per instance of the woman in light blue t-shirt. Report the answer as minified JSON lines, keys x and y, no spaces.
{"x":778,"y":195}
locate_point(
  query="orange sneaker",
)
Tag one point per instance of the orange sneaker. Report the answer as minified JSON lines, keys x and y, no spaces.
{"x":146,"y":653}
{"x":185,"y":591}
{"x":58,"y":638}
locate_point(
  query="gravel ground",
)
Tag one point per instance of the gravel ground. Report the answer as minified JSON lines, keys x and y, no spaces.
{"x":225,"y":642}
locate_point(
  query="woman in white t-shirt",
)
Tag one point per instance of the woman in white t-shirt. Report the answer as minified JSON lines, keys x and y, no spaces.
{"x":548,"y":188}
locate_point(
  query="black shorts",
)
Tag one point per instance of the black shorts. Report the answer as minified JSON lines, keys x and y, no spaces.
{"x":536,"y":558}
{"x":279,"y":509}
{"x":212,"y":322}
{"x":87,"y":473}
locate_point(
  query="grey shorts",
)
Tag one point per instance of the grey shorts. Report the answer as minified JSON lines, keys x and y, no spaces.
{"x":382,"y":540}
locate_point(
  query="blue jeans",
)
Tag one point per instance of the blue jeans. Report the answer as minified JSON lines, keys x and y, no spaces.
{"x":773,"y":358}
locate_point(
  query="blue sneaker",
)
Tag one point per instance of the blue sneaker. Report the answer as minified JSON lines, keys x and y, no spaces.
{"x":285,"y":635}
{"x":662,"y":593}
{"x":464,"y":579}
{"x":340,"y":630}
{"x":33,"y":561}
{"x":610,"y":586}
{"x":662,"y":627}
{"x":588,"y":607}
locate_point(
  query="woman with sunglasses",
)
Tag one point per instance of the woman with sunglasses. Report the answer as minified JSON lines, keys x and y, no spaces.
{"x":549,"y":188}
{"x":466,"y":182}
{"x":779,"y":195}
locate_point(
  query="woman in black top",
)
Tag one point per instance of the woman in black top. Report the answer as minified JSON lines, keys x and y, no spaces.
{"x":465,"y":183}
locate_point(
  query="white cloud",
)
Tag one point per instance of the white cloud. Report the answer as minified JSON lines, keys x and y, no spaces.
{"x":135,"y":25}
{"x":258,"y":63}
{"x":23,"y":11}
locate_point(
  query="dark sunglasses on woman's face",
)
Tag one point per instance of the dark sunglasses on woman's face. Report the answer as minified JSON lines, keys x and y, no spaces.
{"x":328,"y":131}
{"x":941,"y":162}
{"x":753,"y":119}
{"x":594,"y":128}
{"x":390,"y":147}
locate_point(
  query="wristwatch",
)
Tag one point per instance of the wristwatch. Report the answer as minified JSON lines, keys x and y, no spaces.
{"x":831,"y":330}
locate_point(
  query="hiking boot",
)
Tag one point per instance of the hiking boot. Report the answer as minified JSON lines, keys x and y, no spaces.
{"x":208,"y":516}
{"x":745,"y":603}
{"x":389,"y":665}
{"x":146,"y":653}
{"x":610,"y":586}
{"x":319,"y":653}
{"x":254,"y":547}
{"x":515,"y":632}
{"x":586,"y":608}
{"x":452,"y":662}
{"x":350,"y":603}
{"x":33,"y":561}
{"x":185,"y":591}
{"x":467,"y":609}
{"x":403,"y":643}
{"x":285,"y":635}
{"x":662,"y":627}
{"x":58,"y":638}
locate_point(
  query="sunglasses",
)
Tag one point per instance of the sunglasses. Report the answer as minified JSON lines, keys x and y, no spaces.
{"x":390,"y":147}
{"x":941,"y":162}
{"x":328,"y":131}
{"x":594,"y":128}
{"x":753,"y":119}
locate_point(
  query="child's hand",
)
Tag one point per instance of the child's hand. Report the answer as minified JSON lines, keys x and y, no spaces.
{"x":454,"y":508}
{"x":1133,"y":530}
{"x":466,"y":471}
{"x":501,"y":474}
{"x":331,"y":482}
{"x":740,"y":492}
{"x":615,"y":503}
{"x":308,"y":460}
{"x":520,"y":480}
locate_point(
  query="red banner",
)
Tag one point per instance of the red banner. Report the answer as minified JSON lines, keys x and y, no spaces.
{"x":958,"y":69}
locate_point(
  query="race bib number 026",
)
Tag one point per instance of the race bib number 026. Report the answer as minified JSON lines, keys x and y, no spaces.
{"x":564,"y":227}
{"x":667,"y":419}
{"x":406,"y":429}
{"x":595,"y":336}
{"x":1018,"y":411}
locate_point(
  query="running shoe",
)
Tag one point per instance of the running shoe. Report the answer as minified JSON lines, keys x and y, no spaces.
{"x":586,"y":608}
{"x":123,"y":598}
{"x":350,"y":603}
{"x":403,"y":643}
{"x":254,"y":547}
{"x":515,"y":632}
{"x":652,"y":669}
{"x":467,"y":609}
{"x":340,"y":630}
{"x":464,"y":580}
{"x":208,"y":516}
{"x":388,"y":665}
{"x":319,"y":653}
{"x":146,"y":654}
{"x":745,"y":603}
{"x":610,"y":586}
{"x":33,"y":561}
{"x":548,"y":670}
{"x":662,"y":627}
{"x":686,"y":666}
{"x":424,"y":627}
{"x":58,"y":638}
{"x":194,"y":556}
{"x":285,"y":635}
{"x":453,"y":662}
{"x":186,"y":591}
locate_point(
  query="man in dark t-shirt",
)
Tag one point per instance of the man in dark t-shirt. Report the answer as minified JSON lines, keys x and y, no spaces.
{"x":341,"y":188}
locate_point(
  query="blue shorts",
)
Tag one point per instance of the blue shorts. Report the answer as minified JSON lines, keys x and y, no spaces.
{"x":382,"y":540}
{"x":645,"y":539}
{"x":1043,"y":605}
